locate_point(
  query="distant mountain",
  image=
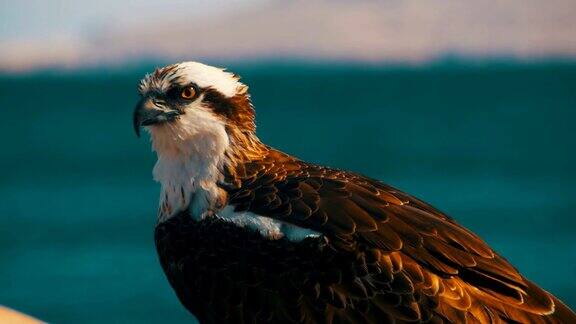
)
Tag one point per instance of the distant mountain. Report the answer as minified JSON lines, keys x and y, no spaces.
{"x":393,"y":30}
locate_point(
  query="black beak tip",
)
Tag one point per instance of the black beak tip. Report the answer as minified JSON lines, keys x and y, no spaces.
{"x":136,"y":123}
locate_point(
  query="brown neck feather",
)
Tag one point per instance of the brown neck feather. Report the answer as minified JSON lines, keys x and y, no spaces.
{"x":237,"y":110}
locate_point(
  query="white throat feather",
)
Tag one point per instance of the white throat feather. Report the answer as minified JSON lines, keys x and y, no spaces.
{"x":191,"y":154}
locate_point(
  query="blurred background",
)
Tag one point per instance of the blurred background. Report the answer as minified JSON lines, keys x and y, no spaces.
{"x":469,"y":105}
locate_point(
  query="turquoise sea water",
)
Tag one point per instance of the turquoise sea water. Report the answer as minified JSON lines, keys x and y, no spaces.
{"x":492,"y":145}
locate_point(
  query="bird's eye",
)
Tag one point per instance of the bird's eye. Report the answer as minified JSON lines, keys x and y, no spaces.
{"x":188,"y":93}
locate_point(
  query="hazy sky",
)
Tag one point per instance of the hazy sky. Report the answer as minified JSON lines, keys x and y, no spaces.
{"x":35,"y":19}
{"x":36,"y":33}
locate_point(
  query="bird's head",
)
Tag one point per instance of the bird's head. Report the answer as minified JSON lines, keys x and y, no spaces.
{"x":193,"y":106}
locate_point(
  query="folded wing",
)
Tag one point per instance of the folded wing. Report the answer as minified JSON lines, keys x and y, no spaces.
{"x":414,"y":262}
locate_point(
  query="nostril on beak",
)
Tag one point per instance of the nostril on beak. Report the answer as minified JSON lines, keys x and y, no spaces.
{"x":159,"y":103}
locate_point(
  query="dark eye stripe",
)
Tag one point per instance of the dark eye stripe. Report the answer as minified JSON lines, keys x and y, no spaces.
{"x":173,"y":93}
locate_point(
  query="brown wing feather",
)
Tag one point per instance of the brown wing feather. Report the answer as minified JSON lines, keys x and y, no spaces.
{"x":415,"y":263}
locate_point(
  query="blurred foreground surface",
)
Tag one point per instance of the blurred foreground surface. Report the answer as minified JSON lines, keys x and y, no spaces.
{"x":492,"y":145}
{"x":11,"y":316}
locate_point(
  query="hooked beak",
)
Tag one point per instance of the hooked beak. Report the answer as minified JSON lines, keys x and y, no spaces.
{"x":150,"y":111}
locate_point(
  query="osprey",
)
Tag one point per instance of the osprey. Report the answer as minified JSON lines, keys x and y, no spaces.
{"x":247,"y":233}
